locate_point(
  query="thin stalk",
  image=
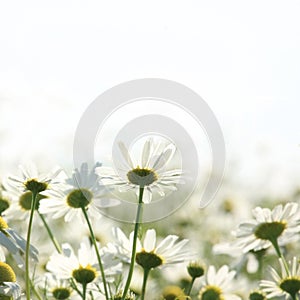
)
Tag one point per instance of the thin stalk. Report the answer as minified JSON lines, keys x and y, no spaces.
{"x":135,"y":235}
{"x":27,"y":275}
{"x":188,"y":291}
{"x":35,"y":291}
{"x":279,"y":253}
{"x":84,"y":291}
{"x":58,"y":249}
{"x":146,"y":273}
{"x":51,"y":235}
{"x":97,"y":252}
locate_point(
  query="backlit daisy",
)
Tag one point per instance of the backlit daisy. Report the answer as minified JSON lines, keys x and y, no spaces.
{"x":81,"y":191}
{"x":218,"y":285}
{"x":269,"y":226}
{"x":170,"y":250}
{"x":84,"y":267}
{"x":150,"y":172}
{"x":287,"y":285}
{"x":31,"y":180}
{"x":56,"y":288}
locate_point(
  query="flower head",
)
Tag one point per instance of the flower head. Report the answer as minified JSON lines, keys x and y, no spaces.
{"x":279,"y":224}
{"x":84,"y":267}
{"x":150,"y":172}
{"x":56,"y":288}
{"x":81,"y":191}
{"x":218,"y":285}
{"x":31,"y":180}
{"x":149,"y":255}
{"x":287,"y":285}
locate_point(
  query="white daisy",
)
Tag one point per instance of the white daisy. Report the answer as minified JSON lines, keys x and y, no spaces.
{"x":84,"y":267}
{"x":217,"y":285}
{"x":55,"y":288}
{"x":15,"y":244}
{"x":8,"y":285}
{"x":268,"y":226}
{"x":32,"y":180}
{"x":287,"y":285}
{"x":149,"y":255}
{"x":150,"y":172}
{"x":81,"y":191}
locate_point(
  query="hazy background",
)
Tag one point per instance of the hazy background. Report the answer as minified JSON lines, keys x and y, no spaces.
{"x":241,"y":57}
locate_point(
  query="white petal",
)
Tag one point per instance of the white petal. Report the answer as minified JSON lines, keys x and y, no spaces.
{"x":150,"y":240}
{"x":126,"y":155}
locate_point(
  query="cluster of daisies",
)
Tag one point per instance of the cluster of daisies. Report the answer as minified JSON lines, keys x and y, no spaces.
{"x":55,"y":243}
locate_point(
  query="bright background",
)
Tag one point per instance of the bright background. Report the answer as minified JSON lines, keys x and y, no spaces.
{"x":242,"y":57}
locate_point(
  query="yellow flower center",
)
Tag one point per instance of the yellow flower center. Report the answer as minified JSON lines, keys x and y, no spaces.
{"x":61,"y":293}
{"x":291,"y":285}
{"x":6,"y":273}
{"x":25,"y":200}
{"x":35,"y":186}
{"x":270,"y":230}
{"x":148,"y":260}
{"x":84,"y":275}
{"x":142,"y":176}
{"x":211,"y":292}
{"x":3,"y":224}
{"x":79,"y":198}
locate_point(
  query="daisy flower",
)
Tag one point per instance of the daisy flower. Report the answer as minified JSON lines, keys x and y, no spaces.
{"x":15,"y":244}
{"x":56,"y":288}
{"x":8,"y":285}
{"x":150,"y":172}
{"x":269,"y":226}
{"x":217,"y":285}
{"x":84,"y":267}
{"x":31,"y":180}
{"x":287,"y":285}
{"x":149,"y":255}
{"x":81,"y":191}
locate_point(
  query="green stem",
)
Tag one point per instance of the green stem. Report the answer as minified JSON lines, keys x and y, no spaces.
{"x":97,"y":252}
{"x":27,"y":275}
{"x":84,"y":291}
{"x":58,"y":249}
{"x":135,"y":235}
{"x":35,"y":291}
{"x":278,"y":251}
{"x":52,"y":237}
{"x":190,"y":286}
{"x":146,"y":273}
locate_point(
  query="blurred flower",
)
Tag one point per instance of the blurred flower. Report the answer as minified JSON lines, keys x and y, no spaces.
{"x":56,"y":288}
{"x":81,"y":191}
{"x":150,"y":172}
{"x":218,"y":284}
{"x":32,"y":181}
{"x":195,"y":269}
{"x":149,"y":255}
{"x":280,"y":224}
{"x":84,"y":267}
{"x":257,"y":295}
{"x":15,"y":244}
{"x":286,"y":285}
{"x":173,"y":292}
{"x":8,"y":285}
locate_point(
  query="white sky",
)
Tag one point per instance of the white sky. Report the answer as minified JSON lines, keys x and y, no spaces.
{"x":242,"y":57}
